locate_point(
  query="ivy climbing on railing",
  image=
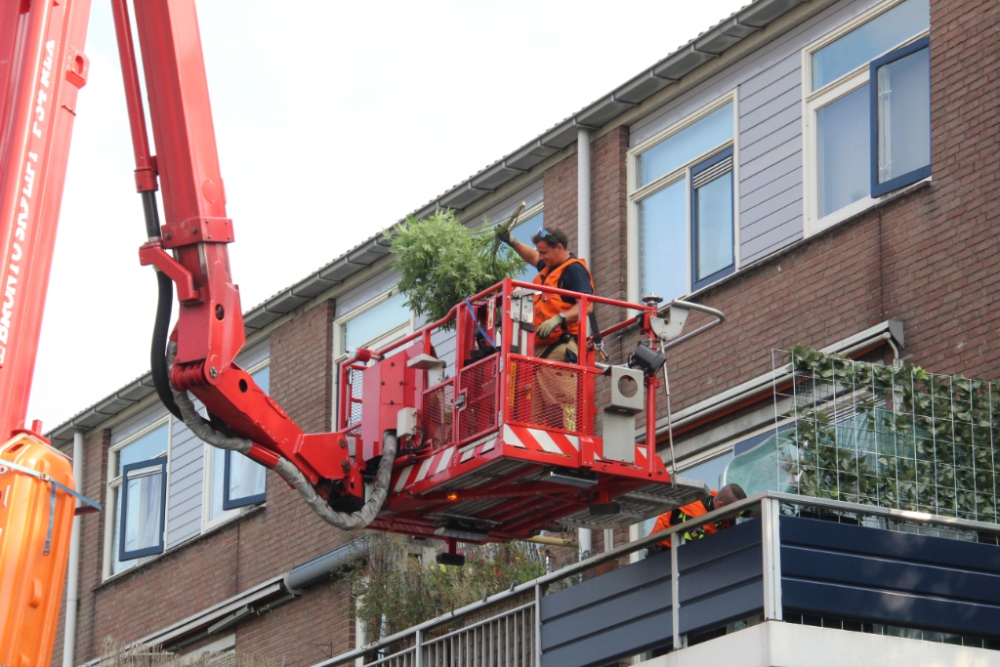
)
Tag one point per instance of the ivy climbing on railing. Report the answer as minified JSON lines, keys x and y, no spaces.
{"x":891,"y":436}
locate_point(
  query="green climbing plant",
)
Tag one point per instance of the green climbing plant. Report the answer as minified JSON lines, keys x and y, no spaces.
{"x":909,"y":440}
{"x":397,"y":590}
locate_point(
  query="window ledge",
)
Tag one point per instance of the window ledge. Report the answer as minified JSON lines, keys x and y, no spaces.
{"x":174,"y":549}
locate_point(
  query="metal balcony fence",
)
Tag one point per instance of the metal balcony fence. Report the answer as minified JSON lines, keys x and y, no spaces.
{"x":783,"y":558}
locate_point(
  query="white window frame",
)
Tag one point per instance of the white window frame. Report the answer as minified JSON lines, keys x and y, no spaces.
{"x":384,"y":339}
{"x":812,"y":102}
{"x":114,"y":482}
{"x":207,"y":522}
{"x":637,"y":194}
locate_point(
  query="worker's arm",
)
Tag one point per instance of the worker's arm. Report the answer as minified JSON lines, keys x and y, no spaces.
{"x":525,"y":251}
{"x":573,"y":314}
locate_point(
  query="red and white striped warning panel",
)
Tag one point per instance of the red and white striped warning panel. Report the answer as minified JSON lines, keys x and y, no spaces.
{"x":540,"y":440}
{"x":640,"y":457}
{"x":432,"y":465}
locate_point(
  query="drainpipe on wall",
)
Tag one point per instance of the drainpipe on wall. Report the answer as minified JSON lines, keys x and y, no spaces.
{"x":73,"y":573}
{"x":583,"y":244}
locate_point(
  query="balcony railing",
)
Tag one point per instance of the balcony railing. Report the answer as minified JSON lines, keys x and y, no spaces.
{"x":869,"y":564}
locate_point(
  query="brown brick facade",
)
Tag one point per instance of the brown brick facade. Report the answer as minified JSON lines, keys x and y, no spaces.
{"x":928,"y":257}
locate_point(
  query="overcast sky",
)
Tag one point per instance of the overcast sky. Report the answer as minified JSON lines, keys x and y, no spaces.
{"x":334,"y":120}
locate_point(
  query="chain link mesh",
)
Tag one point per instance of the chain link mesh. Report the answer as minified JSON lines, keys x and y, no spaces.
{"x":439,"y":414}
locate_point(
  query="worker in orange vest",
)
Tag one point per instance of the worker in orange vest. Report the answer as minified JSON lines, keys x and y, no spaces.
{"x":727,"y":495}
{"x":557,"y":317}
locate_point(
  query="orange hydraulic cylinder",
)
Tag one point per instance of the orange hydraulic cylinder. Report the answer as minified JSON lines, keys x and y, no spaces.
{"x":31,"y":577}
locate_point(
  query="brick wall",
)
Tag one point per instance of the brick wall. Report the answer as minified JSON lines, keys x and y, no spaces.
{"x":928,"y":258}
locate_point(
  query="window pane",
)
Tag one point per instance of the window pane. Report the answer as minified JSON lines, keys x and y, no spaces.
{"x":663,"y":242}
{"x":246,"y":477}
{"x":842,"y":144}
{"x":715,"y":225}
{"x":869,"y":41}
{"x":673,"y":153}
{"x":709,"y":472}
{"x":144,"y":521}
{"x":117,"y":565}
{"x":215,"y":510}
{"x":523,"y":233}
{"x":904,"y":115}
{"x":147,"y":447}
{"x":374,"y":322}
{"x":263,"y":379}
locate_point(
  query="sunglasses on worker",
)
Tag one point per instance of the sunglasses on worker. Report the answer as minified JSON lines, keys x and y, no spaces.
{"x":547,"y":236}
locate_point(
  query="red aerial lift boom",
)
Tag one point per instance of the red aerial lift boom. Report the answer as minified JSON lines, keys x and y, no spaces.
{"x":487,"y":443}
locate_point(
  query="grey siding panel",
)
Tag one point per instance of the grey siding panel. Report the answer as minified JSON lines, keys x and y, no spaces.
{"x":186,"y":483}
{"x":768,"y":76}
{"x":781,"y":134}
{"x":250,"y":357}
{"x":762,"y":194}
{"x":498,"y":213}
{"x":790,"y":81}
{"x":772,"y":207}
{"x":775,"y":171}
{"x":751,"y":136}
{"x":775,"y":154}
{"x":365,"y":292}
{"x":775,"y":239}
{"x":137,"y":422}
{"x":772,"y":107}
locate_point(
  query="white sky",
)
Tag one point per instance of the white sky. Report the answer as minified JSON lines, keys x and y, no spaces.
{"x":333,"y":120}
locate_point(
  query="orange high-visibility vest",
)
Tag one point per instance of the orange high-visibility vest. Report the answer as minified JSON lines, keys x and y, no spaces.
{"x":684,"y":513}
{"x":550,"y":305}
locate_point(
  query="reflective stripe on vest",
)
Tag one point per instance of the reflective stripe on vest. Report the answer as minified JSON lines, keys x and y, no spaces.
{"x":550,"y":305}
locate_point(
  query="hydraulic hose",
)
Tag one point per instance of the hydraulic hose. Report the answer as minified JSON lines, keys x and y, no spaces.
{"x":285,"y":468}
{"x":161,"y":327}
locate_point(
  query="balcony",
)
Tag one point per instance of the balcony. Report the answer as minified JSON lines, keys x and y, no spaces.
{"x":781,"y":587}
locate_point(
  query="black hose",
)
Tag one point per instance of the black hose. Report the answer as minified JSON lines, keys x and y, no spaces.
{"x":161,"y":328}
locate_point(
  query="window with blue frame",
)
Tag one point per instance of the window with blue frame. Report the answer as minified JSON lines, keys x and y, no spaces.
{"x":137,"y":489}
{"x":868,"y":112}
{"x":900,"y":117}
{"x":685,"y":213}
{"x":236,"y":481}
{"x":244,"y":480}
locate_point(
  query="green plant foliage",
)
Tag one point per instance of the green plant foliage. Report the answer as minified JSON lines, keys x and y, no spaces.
{"x":397,"y":591}
{"x":915,"y":441}
{"x":441,"y":261}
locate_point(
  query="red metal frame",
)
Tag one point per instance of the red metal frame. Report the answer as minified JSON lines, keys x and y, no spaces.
{"x":431,"y":475}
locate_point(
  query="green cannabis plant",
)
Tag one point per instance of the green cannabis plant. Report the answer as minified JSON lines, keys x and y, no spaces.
{"x":442,"y":262}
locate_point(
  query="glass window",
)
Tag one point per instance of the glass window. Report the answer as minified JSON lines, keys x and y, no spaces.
{"x":712,"y":217}
{"x":523,"y":233}
{"x":663,"y":241}
{"x":901,"y":118}
{"x":686,"y":218}
{"x":842,"y":145}
{"x":869,"y":41}
{"x":138,"y":492}
{"x":869,"y":133}
{"x":375,"y":322}
{"x":688,"y":144}
{"x":237,"y":481}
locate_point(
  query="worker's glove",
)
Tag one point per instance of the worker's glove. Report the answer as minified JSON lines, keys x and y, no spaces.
{"x":505,"y":237}
{"x":546,"y":328}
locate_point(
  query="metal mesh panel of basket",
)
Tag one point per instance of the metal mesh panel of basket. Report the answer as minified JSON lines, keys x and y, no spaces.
{"x":439,"y":414}
{"x":543,"y":395}
{"x":480,"y":383}
{"x":355,"y":402}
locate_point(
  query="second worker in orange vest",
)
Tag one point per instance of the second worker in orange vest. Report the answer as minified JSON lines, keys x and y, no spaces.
{"x":557,"y":317}
{"x":727,"y":495}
